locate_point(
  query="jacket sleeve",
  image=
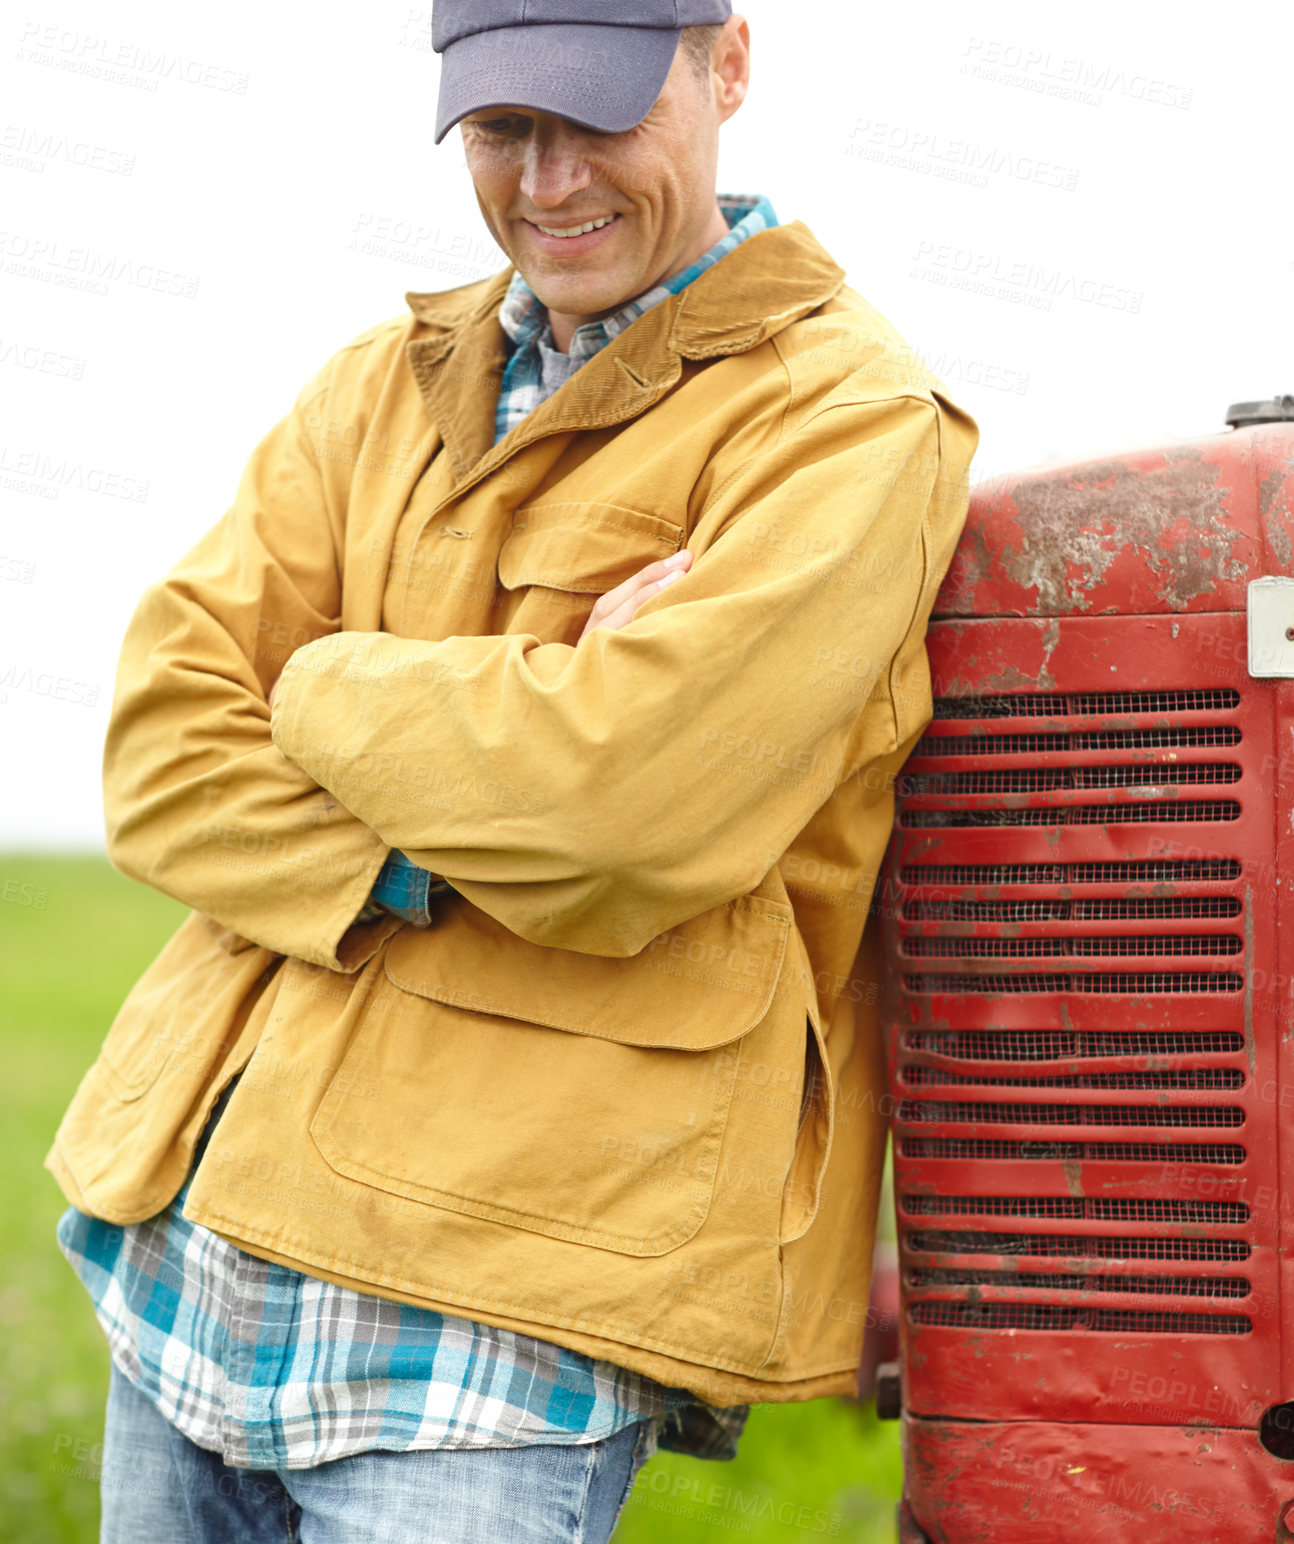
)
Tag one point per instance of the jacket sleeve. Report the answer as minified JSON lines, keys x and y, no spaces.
{"x":591,"y":797}
{"x":199,"y":802}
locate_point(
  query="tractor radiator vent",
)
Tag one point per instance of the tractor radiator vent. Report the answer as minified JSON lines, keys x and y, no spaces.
{"x":1057,"y":779}
{"x":1080,"y":967}
{"x":1160,"y":908}
{"x":1090,"y":1246}
{"x":1170,"y":812}
{"x":1208,"y":735}
{"x":1134,"y":984}
{"x":1017,"y":1045}
{"x":1063,"y":1318}
{"x":1078,"y":1208}
{"x":976,"y":1148}
{"x":1123,"y":944}
{"x":1203,"y":1078}
{"x":920,"y":1112}
{"x":1087,"y":704}
{"x":1039,"y":1281}
{"x":1146,"y":871}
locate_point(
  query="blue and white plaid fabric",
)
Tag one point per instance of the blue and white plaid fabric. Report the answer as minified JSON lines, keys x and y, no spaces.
{"x":537,"y":367}
{"x":272,"y":1368}
{"x":405,"y":890}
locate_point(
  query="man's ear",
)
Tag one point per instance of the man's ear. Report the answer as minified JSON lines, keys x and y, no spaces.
{"x":730,"y":67}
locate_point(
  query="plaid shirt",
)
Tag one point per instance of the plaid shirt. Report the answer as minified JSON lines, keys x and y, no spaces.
{"x":273,"y":1368}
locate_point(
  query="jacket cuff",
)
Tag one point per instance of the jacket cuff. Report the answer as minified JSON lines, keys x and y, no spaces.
{"x":405,"y":890}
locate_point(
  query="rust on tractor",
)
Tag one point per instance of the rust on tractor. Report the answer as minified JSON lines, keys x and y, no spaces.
{"x":1157,"y":529}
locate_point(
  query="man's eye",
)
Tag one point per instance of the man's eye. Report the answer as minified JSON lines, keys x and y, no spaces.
{"x":500,"y":127}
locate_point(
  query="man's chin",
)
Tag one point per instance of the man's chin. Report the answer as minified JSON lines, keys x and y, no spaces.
{"x":590,"y":301}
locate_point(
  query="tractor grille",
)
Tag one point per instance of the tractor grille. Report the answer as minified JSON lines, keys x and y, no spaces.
{"x":1079,"y":1246}
{"x":1052,"y":948}
{"x":1079,"y":740}
{"x":1146,"y":871}
{"x":919,"y":1112}
{"x":1107,"y":814}
{"x":1126,"y":983}
{"x":1076,"y":1208}
{"x":1073,"y":911}
{"x":1086,"y":704}
{"x":1216,"y":1154}
{"x":1149,"y":1078}
{"x":1079,"y":1281}
{"x":1057,"y":1045}
{"x":1204,"y":1077}
{"x":1051,"y":779}
{"x":1059,"y":1319}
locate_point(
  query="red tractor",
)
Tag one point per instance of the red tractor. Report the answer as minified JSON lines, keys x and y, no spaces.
{"x":1091,"y":1017}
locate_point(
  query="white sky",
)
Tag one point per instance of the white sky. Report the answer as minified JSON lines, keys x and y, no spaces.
{"x":1080,"y":215}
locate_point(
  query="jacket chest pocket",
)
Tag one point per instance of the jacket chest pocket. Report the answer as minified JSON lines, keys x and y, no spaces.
{"x":576,"y":1096}
{"x":558,"y":558}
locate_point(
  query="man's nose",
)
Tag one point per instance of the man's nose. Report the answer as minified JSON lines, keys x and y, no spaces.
{"x":555,"y":168}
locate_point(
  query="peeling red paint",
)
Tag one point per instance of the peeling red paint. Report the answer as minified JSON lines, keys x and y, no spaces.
{"x":1163,"y":530}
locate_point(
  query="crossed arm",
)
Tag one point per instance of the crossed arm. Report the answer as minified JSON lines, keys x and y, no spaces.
{"x":403,"y":889}
{"x":598,"y":793}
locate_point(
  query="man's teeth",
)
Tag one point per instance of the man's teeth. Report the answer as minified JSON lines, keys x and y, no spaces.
{"x":576,"y":230}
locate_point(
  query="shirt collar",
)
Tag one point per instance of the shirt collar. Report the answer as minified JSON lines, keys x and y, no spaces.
{"x":524,"y":317}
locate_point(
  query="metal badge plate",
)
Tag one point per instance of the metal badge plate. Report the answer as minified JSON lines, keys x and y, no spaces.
{"x":1271,"y":627}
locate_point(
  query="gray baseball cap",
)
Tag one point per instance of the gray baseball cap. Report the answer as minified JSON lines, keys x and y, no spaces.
{"x":601,"y":63}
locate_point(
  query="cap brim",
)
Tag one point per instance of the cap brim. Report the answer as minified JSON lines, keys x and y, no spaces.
{"x":602,"y":77}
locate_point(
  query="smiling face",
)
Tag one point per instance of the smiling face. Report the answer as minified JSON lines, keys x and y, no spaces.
{"x":591,"y":220}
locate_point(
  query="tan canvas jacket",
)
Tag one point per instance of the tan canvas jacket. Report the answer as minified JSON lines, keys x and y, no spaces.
{"x":627,"y":1093}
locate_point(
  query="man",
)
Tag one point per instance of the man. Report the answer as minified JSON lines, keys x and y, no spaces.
{"x":512,"y":1100}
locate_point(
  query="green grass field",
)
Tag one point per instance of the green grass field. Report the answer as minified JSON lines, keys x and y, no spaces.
{"x":74,"y":935}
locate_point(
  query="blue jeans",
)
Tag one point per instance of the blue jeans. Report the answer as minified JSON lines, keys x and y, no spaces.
{"x":160,"y":1488}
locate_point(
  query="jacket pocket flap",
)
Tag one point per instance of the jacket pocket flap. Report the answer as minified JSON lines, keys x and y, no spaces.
{"x":586,"y":548}
{"x":701,"y":984}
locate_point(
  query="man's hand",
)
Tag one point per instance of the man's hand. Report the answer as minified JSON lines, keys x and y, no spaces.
{"x":617,"y":607}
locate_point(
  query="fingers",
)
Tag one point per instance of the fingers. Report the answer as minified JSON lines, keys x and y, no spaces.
{"x":628,"y":609}
{"x":618,"y":607}
{"x":614,"y":599}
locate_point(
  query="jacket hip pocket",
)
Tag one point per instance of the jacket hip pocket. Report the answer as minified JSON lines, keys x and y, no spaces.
{"x":577,"y":1096}
{"x":813,"y":1138}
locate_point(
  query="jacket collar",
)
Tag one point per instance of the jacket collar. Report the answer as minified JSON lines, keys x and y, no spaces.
{"x":459,"y":350}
